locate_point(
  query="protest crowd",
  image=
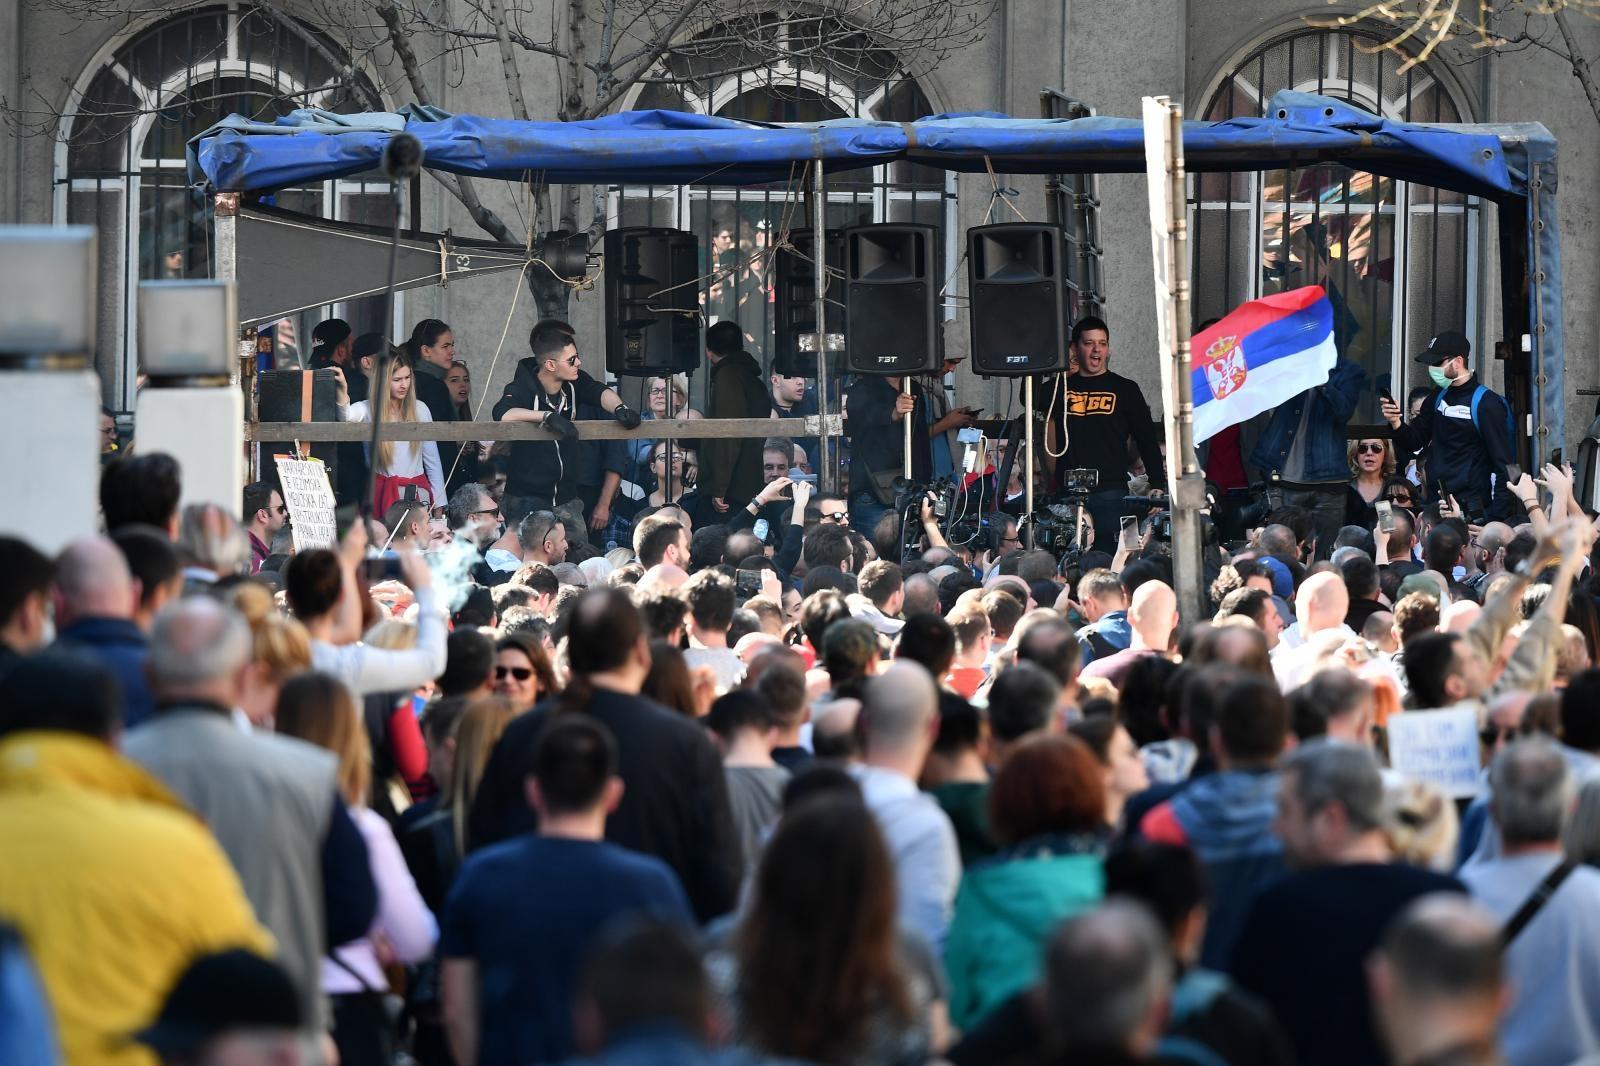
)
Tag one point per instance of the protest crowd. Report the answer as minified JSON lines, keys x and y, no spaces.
{"x":648,"y":751}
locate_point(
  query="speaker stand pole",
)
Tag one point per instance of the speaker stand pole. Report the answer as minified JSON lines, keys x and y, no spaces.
{"x":905,"y":390}
{"x":671,"y":446}
{"x":827,"y":458}
{"x":1027,"y":453}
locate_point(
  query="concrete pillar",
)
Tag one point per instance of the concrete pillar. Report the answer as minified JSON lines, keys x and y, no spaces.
{"x":203,"y":429}
{"x":51,"y":438}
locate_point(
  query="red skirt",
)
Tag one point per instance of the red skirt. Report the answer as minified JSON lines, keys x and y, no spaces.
{"x":390,"y":489}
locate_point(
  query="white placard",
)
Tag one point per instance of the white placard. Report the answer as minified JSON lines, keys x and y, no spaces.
{"x":1440,"y":747}
{"x":309,"y":497}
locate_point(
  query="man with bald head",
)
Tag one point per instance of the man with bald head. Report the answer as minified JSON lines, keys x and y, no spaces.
{"x":1152,"y":615}
{"x":96,"y":599}
{"x":1437,"y":983}
{"x":272,"y":802}
{"x":1320,"y":607}
{"x":898,"y":717}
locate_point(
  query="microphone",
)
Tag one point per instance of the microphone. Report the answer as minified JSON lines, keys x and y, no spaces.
{"x":402,"y":161}
{"x":402,"y":157}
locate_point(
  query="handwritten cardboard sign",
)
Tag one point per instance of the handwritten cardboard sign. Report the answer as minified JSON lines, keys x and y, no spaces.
{"x":309,"y":497}
{"x":1440,"y":747}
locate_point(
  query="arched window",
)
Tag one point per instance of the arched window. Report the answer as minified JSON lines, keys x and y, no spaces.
{"x":120,"y":155}
{"x":1399,"y":261}
{"x":734,"y":225}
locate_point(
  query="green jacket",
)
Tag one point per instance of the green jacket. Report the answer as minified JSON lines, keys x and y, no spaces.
{"x":1005,"y":911}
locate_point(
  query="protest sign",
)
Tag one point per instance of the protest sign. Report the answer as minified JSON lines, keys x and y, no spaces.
{"x":310,"y":501}
{"x":1440,"y":747}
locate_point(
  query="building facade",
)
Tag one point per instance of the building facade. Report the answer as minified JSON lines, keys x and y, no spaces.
{"x":103,"y":106}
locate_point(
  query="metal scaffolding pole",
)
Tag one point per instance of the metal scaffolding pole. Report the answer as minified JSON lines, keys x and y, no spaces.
{"x":1163,"y":146}
{"x":827,"y":458}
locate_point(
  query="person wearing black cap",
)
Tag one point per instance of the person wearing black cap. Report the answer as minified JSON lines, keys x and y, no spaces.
{"x":1466,"y":427}
{"x":331,"y":343}
{"x":231,"y":1008}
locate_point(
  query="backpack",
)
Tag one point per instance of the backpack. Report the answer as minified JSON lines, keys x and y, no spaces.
{"x":1478,"y":394}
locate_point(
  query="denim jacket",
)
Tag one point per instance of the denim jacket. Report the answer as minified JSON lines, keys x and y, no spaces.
{"x":1332,"y":405}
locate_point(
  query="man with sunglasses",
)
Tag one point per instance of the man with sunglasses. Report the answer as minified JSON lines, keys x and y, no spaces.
{"x":1466,"y":429}
{"x":551,"y":389}
{"x":264,"y":515}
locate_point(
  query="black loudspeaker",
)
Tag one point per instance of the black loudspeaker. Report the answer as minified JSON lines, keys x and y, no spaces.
{"x":281,"y":398}
{"x":891,"y":322}
{"x":1018,"y":298}
{"x":794,"y":307}
{"x":652,"y":301}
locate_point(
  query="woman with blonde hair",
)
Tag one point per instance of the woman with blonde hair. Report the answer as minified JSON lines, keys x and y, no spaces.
{"x":401,"y":463}
{"x":280,"y":648}
{"x":1371,"y":465}
{"x":318,"y":708}
{"x":392,"y":720}
{"x":1420,"y":823}
{"x":476,"y":734}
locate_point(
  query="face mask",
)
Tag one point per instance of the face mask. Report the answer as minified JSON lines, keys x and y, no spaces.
{"x":1440,"y":378}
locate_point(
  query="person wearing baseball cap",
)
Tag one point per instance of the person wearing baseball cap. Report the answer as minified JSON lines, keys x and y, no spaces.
{"x":1466,"y":429}
{"x":231,"y":1008}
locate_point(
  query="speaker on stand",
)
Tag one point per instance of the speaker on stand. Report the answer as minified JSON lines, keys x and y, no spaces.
{"x":892,"y":279}
{"x":1018,"y":308}
{"x":794,"y":307}
{"x":1018,"y":299}
{"x":652,"y":302}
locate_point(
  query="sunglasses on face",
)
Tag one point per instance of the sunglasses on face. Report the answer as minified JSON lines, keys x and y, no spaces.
{"x":836,"y":516}
{"x":1369,"y":449}
{"x":521,"y":673}
{"x":1402,"y":498}
{"x":282,"y":509}
{"x":492,"y":510}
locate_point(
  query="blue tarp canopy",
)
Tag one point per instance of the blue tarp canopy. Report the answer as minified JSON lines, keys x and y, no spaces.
{"x":1513,"y":165}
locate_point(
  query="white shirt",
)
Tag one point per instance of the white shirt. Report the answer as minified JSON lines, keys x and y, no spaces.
{"x":367,"y":669}
{"x":923,"y":843}
{"x":411,"y":457}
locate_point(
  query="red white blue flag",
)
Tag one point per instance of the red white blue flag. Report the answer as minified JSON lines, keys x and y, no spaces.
{"x":1264,"y":353}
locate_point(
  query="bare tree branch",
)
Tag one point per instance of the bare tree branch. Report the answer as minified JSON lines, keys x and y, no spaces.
{"x":1580,"y":65}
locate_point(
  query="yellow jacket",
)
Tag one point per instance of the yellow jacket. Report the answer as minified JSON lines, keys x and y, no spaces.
{"x":114,"y":887}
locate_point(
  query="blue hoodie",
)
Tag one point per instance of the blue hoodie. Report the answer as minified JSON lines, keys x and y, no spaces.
{"x":1227,"y":818}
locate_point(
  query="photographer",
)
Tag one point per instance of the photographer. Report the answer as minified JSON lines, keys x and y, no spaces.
{"x":874,"y":408}
{"x":1465,"y":429}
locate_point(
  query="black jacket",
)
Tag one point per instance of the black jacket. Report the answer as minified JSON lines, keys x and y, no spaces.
{"x":730,"y":467}
{"x":1464,"y":451}
{"x":432,"y":391}
{"x":877,"y":441}
{"x":675,"y":805}
{"x":546,"y":467}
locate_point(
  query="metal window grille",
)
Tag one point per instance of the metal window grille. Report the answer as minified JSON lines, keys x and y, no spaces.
{"x":1400,"y":261}
{"x":120,"y":157}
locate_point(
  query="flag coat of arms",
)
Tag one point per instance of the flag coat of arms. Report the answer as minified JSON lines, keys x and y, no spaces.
{"x":1262,"y":354}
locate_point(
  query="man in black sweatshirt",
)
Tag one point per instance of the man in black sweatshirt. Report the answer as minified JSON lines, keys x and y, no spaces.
{"x":1102,"y":410}
{"x":1466,"y":428}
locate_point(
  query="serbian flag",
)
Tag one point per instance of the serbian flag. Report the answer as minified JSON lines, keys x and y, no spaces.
{"x":1262,"y":354}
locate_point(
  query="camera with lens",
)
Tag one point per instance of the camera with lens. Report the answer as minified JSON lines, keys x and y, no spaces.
{"x":1080,"y":481}
{"x":1265,"y":497}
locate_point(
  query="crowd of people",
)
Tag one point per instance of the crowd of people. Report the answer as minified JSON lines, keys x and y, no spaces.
{"x":569,"y":755}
